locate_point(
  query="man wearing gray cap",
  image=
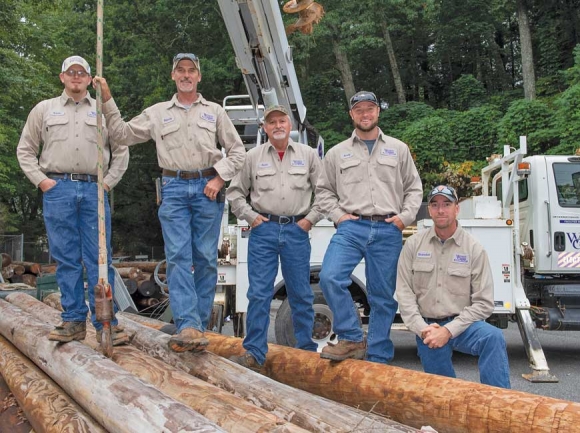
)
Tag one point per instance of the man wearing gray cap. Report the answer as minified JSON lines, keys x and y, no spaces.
{"x":370,"y":188}
{"x":445,"y":293}
{"x":279,"y":177}
{"x":66,"y":172}
{"x":190,"y":133}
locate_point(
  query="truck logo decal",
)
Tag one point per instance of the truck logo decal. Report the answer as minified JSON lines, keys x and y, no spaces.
{"x":574,"y":240}
{"x":569,"y":260}
{"x":461,"y":258}
{"x":424,"y":254}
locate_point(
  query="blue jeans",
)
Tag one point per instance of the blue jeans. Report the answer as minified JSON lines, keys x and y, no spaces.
{"x":191,"y":225}
{"x":479,"y":339}
{"x":268,"y":241}
{"x":70,"y":212}
{"x":379,"y":243}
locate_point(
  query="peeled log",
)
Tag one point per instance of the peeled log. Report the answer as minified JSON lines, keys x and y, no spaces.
{"x":114,"y":397}
{"x":306,"y":410}
{"x":144,"y":266}
{"x":132,"y":273}
{"x":47,"y":407}
{"x":411,"y":397}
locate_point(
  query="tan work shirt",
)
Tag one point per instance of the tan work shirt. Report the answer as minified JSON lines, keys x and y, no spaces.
{"x":438,"y":280}
{"x":384,"y":182}
{"x":186,"y":139}
{"x":276,"y":187}
{"x":67,"y":132}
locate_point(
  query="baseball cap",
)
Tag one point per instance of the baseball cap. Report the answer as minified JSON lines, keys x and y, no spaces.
{"x":273,"y":108}
{"x":75,"y":60}
{"x":186,"y":56}
{"x":444,"y":190}
{"x":363,"y":97}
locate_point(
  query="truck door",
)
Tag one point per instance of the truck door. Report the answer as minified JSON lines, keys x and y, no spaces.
{"x":563,"y":183}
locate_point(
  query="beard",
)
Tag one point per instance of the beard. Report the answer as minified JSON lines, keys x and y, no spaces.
{"x":366,"y":128}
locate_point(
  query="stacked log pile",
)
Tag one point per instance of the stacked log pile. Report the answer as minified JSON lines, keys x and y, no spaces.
{"x":19,"y":272}
{"x":154,"y":390}
{"x":150,"y":298}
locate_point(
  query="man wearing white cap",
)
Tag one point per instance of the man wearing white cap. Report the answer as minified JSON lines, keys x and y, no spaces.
{"x":66,"y":172}
{"x":280,"y":177}
{"x":190,"y":133}
{"x":445,"y":293}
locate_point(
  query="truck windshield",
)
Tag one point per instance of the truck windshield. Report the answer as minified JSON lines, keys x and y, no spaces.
{"x":567,"y":177}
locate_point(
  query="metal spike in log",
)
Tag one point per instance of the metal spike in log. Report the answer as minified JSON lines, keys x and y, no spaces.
{"x":410,"y":397}
{"x":114,"y":397}
{"x":47,"y":407}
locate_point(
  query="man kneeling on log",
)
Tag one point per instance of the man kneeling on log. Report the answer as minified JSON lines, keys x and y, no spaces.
{"x":445,"y":293}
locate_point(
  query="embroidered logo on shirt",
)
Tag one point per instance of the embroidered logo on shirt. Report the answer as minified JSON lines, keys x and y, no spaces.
{"x":461,"y":258}
{"x":388,"y":152}
{"x":346,"y":155}
{"x":92,"y":114}
{"x":264,"y":165}
{"x":209,"y":117}
{"x":298,"y":163}
{"x":423,"y":254}
{"x":168,"y":120}
{"x":57,"y":113}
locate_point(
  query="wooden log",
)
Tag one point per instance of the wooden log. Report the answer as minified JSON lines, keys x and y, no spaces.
{"x":144,"y":266}
{"x":6,"y":260}
{"x":16,"y":278}
{"x":18,"y":269}
{"x":228,"y":411}
{"x":30,"y":267}
{"x":48,"y":269}
{"x":12,"y":417}
{"x":132,"y":273}
{"x":114,"y":397}
{"x":7,"y":272}
{"x":131,"y":285}
{"x":143,"y":303}
{"x":411,"y":397}
{"x":148,"y":289}
{"x":47,"y":407}
{"x":29,"y":279}
{"x":53,"y":300}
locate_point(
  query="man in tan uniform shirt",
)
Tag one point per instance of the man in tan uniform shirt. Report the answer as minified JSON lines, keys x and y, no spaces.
{"x":370,"y":188}
{"x":189,"y":133}
{"x":279,"y":177}
{"x":66,"y":172}
{"x":445,"y":293}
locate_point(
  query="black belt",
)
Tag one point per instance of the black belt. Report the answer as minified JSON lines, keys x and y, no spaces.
{"x":374,"y":217}
{"x":283,"y":219}
{"x":443,"y":319}
{"x":75,"y":177}
{"x":190,"y":174}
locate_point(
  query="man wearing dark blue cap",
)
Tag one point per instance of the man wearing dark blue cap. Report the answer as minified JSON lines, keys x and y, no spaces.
{"x":445,"y":293}
{"x":370,"y":188}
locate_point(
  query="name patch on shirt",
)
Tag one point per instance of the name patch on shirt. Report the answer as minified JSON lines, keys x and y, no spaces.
{"x":92,"y":114}
{"x":209,"y":117}
{"x":57,"y":113}
{"x":461,"y":258}
{"x":388,"y":152}
{"x":297,"y":163}
{"x":168,"y":120}
{"x":346,"y":155}
{"x":423,"y":254}
{"x":264,"y":165}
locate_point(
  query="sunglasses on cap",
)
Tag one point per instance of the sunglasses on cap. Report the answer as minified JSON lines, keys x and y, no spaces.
{"x":182,"y":56}
{"x":444,"y":190}
{"x":363,"y":97}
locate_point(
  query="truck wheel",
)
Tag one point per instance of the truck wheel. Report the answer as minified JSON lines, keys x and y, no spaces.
{"x":322,"y":331}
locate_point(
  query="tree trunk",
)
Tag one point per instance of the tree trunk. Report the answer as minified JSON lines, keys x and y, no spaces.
{"x":393,"y":61}
{"x":528,"y":72}
{"x":47,"y":407}
{"x":114,"y":397}
{"x":344,"y":69}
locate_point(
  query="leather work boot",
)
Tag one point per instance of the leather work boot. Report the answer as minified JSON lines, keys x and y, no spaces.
{"x":344,"y":350}
{"x":118,"y":333}
{"x":68,"y":331}
{"x":188,"y":339}
{"x":247,"y":360}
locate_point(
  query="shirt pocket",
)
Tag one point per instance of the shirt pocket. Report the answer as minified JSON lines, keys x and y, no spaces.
{"x":387,"y":169}
{"x":56,"y":129}
{"x":350,"y":171}
{"x":422,"y":275}
{"x":265,"y":179}
{"x":458,"y":281}
{"x":170,"y":136}
{"x":298,"y":178}
{"x":207,"y":133}
{"x":91,"y":129}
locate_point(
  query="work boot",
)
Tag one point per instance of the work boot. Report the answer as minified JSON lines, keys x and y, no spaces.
{"x":188,"y":339}
{"x":118,"y":333}
{"x":247,"y":360}
{"x":344,"y":350}
{"x":68,"y":331}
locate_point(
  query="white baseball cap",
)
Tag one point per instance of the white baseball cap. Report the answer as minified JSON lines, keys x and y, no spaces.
{"x":76,"y":60}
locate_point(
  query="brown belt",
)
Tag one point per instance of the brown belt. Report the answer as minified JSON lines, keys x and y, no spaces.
{"x":374,"y":217}
{"x":207,"y":172}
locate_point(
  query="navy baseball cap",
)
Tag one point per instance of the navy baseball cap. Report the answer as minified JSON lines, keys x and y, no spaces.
{"x":363,"y":97}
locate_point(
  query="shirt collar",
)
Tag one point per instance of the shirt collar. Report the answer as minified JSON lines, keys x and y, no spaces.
{"x":65,"y":98}
{"x":175,"y":102}
{"x":457,"y":237}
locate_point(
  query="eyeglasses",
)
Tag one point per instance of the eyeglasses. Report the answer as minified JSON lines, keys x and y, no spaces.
{"x":445,"y":190}
{"x":72,"y":73}
{"x":363,"y":97}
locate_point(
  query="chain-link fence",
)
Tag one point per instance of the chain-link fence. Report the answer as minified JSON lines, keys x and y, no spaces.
{"x":13,"y":245}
